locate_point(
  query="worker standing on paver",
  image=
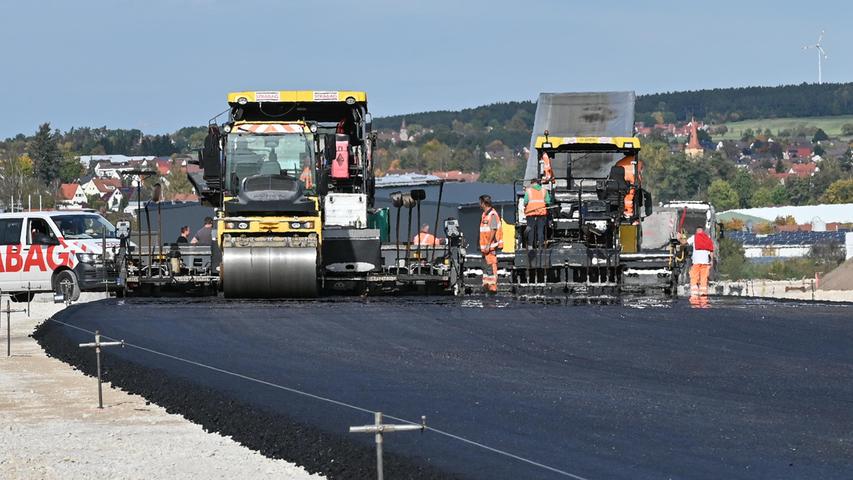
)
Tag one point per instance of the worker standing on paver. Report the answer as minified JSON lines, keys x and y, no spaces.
{"x":536,"y":201}
{"x":184,"y":237}
{"x":204,"y":235}
{"x":547,"y":171}
{"x":703,"y":251}
{"x":633,"y":170}
{"x":425,"y":238}
{"x":491,"y":239}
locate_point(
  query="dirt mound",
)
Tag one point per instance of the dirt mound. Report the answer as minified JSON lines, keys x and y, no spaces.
{"x":839,"y":279}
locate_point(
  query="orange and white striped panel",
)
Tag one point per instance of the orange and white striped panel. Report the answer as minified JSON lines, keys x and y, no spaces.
{"x":269,"y":128}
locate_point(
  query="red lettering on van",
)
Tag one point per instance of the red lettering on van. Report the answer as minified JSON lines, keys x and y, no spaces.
{"x":35,"y":259}
{"x":14,"y":262}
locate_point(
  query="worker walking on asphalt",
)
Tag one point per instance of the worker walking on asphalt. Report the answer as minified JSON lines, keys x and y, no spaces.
{"x":491,"y":239}
{"x":703,"y":251}
{"x":536,"y":201}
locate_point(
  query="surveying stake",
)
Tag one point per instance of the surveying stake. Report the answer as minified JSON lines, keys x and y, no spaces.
{"x":8,"y":313}
{"x":97,"y":345}
{"x":379,"y":429}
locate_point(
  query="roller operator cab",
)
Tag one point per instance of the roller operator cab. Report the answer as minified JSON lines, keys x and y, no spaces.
{"x":285,"y":168}
{"x":594,"y":223}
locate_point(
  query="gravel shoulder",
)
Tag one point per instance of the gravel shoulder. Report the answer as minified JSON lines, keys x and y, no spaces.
{"x":51,"y":428}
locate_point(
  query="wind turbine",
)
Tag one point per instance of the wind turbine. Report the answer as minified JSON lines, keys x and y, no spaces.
{"x":821,"y":56}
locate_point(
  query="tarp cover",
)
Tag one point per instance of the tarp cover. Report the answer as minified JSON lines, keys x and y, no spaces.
{"x":605,"y":114}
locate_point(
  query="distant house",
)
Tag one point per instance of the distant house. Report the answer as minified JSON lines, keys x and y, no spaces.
{"x":163,"y":165}
{"x":71,"y":195}
{"x":87,"y":160}
{"x":111,"y":170}
{"x":113,"y":199}
{"x":101,"y":186}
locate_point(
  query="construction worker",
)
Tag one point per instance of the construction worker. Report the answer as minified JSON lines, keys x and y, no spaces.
{"x":491,"y":239}
{"x":425,"y":238}
{"x":305,"y":178}
{"x":703,"y":252}
{"x":627,"y":163}
{"x":547,"y":171}
{"x":204,"y":235}
{"x":184,"y":237}
{"x":536,"y":201}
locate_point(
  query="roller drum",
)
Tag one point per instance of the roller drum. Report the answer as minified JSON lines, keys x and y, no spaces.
{"x":269,"y":272}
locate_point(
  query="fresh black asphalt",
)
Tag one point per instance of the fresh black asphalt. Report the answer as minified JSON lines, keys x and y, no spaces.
{"x":744,"y":389}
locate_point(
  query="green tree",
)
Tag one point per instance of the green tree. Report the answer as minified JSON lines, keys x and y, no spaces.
{"x":829,"y":171}
{"x":839,"y":191}
{"x":799,"y":190}
{"x":819,"y":136}
{"x":847,"y":129}
{"x":176,"y":182}
{"x":762,"y":197}
{"x":44,"y":150}
{"x":70,"y":170}
{"x":780,"y":195}
{"x":744,"y":185}
{"x":733,"y":264}
{"x":818,"y":150}
{"x":722,"y":196}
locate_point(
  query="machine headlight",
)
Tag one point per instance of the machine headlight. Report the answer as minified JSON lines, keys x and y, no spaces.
{"x":237,"y":225}
{"x":227,"y":128}
{"x":350,"y":100}
{"x":313,"y":128}
{"x":301,"y":225}
{"x":87,"y":257}
{"x":242,"y":100}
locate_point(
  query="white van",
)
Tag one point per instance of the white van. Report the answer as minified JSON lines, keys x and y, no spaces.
{"x":44,"y":250}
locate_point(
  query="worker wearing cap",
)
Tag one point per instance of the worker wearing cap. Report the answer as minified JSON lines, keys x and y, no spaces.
{"x":491,"y":239}
{"x":425,"y":238}
{"x":703,"y":252}
{"x":627,"y":163}
{"x":536,"y":201}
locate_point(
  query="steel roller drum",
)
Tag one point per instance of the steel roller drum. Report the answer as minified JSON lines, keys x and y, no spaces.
{"x":269,"y":272}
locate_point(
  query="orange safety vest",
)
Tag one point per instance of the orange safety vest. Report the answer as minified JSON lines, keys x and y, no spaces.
{"x":424,"y":239}
{"x":305,"y":177}
{"x":547,"y":172}
{"x":487,"y":241}
{"x":535,"y":206}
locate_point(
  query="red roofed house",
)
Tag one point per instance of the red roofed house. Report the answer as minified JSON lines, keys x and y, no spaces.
{"x":163,"y":165}
{"x":70,"y":195}
{"x":101,"y":186}
{"x":184,"y":197}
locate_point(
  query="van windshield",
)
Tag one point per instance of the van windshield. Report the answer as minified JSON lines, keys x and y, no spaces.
{"x":84,"y":226}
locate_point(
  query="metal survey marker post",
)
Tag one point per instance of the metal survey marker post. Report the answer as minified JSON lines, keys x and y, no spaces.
{"x":379,"y":429}
{"x":97,"y":346}
{"x":8,"y":313}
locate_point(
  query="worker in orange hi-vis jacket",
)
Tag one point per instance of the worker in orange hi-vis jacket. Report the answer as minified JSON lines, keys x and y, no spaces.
{"x":627,"y":163}
{"x":491,"y":239}
{"x":703,"y":253}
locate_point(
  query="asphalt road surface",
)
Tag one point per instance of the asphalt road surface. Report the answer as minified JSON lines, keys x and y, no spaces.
{"x":746,"y":389}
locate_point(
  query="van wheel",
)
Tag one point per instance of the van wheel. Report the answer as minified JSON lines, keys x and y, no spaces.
{"x":66,"y":281}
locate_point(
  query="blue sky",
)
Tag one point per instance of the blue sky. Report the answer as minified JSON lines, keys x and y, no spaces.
{"x":158,"y":65}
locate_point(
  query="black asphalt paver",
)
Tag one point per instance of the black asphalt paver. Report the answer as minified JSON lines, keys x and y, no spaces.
{"x":744,"y":389}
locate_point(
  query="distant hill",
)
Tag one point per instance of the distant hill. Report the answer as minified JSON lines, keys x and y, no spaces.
{"x":716,"y":105}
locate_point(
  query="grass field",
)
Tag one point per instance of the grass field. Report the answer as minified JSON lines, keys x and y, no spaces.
{"x":830,"y":125}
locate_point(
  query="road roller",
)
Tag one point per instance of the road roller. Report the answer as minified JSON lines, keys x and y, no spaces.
{"x":286,"y":170}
